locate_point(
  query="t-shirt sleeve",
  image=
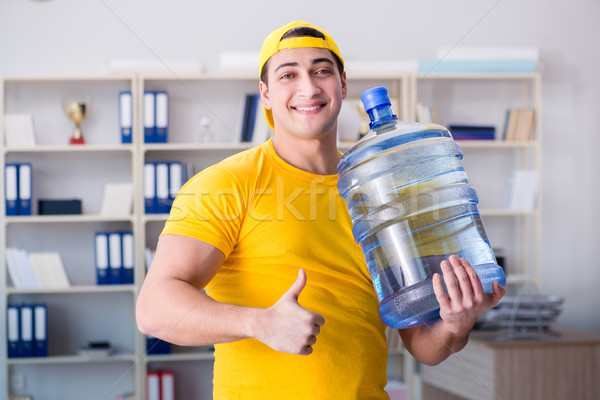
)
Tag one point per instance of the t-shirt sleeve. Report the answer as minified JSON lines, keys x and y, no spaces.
{"x":209,"y":207}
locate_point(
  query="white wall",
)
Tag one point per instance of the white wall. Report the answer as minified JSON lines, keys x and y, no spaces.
{"x":60,"y":37}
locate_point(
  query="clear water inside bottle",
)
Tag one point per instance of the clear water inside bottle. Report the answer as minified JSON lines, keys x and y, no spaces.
{"x":412,"y":207}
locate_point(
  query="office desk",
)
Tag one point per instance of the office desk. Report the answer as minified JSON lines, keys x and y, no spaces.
{"x":565,"y":367}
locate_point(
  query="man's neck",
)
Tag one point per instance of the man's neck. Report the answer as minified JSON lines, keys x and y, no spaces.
{"x":318,"y":156}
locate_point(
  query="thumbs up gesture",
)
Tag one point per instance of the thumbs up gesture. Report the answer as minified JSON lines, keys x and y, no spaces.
{"x":286,"y":326}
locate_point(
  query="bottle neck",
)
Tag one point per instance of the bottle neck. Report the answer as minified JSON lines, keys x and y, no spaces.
{"x":382,"y":118}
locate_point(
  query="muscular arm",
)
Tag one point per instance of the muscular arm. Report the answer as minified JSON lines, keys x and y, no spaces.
{"x":172,"y":306}
{"x":433,"y":343}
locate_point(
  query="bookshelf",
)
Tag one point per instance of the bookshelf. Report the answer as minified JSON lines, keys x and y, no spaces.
{"x":483,"y":99}
{"x":61,"y":170}
{"x":83,"y":311}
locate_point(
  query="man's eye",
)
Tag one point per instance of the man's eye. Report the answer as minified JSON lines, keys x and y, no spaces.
{"x":286,"y":76}
{"x":323,"y":71}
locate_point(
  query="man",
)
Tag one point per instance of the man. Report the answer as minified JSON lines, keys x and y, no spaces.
{"x":289,"y":303}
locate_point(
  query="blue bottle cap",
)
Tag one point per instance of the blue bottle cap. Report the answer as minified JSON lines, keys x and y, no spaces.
{"x":377,"y":96}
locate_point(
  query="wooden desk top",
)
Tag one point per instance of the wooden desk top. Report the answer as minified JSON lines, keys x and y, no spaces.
{"x":556,"y":335}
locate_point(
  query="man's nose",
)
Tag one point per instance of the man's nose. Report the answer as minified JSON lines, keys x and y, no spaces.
{"x":307,"y":87}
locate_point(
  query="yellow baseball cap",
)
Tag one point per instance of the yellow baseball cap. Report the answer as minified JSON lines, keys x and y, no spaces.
{"x":273,"y":44}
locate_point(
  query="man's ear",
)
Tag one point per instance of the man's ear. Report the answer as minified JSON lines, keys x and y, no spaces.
{"x":264,"y":95}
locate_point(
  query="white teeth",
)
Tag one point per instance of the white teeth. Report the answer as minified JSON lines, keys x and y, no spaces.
{"x":307,"y":108}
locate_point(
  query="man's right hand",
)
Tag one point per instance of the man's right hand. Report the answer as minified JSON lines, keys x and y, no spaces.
{"x":286,"y":326}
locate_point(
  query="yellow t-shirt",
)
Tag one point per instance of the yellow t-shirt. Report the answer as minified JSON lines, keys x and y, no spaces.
{"x":270,"y":219}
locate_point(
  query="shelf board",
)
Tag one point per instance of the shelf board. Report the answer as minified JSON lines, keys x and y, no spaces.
{"x":197,"y":146}
{"x":471,"y":144}
{"x":502,"y":212}
{"x":70,"y":359}
{"x":156,"y":217}
{"x":71,"y":148}
{"x":518,"y":278}
{"x":190,"y":76}
{"x":497,"y":144}
{"x":476,"y":76}
{"x":191,"y":356}
{"x":75,"y":289}
{"x":39,"y":219}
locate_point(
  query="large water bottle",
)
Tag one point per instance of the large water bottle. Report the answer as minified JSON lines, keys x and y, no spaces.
{"x":411,"y":207}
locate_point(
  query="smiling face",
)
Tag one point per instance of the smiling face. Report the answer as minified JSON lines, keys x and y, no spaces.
{"x":305,"y":92}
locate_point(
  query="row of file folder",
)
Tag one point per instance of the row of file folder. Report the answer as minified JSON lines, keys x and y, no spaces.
{"x":27,"y":330}
{"x":155,"y":113}
{"x":162,"y":182}
{"x":160,"y":385}
{"x":115,"y":259}
{"x":17,"y":187}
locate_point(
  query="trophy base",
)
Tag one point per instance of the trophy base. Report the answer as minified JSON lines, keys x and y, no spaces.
{"x":78,"y":140}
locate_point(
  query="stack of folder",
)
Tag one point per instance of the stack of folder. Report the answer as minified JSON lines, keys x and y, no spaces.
{"x":17,"y":187}
{"x":114,"y":253}
{"x":160,"y":385}
{"x":27,"y":330}
{"x":162,"y":181}
{"x":156,"y":116}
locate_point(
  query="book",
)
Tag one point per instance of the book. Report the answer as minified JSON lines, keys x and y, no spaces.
{"x":423,"y":113}
{"x":427,"y":114}
{"x":473,"y":132}
{"x":49,"y":270}
{"x":26,"y":270}
{"x":117,"y":199}
{"x":96,"y":349}
{"x":18,"y":130}
{"x":522,"y":190}
{"x":14,"y":270}
{"x":249,"y":116}
{"x":510,"y":127}
{"x":261,"y":131}
{"x":520,"y":124}
{"x":524,"y":129}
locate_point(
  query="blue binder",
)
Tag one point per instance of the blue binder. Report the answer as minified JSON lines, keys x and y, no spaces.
{"x":24,"y":207}
{"x":255,"y":99}
{"x":162,"y":188}
{"x":149,"y":116}
{"x":126,"y":116}
{"x":157,"y":346}
{"x":161,"y":117}
{"x":26,"y":324}
{"x":11,"y":188}
{"x":175,"y":179}
{"x":101,"y":254}
{"x":13,"y":328}
{"x":128,"y":257}
{"x":40,"y":326}
{"x":150,"y":205}
{"x":115,"y":258}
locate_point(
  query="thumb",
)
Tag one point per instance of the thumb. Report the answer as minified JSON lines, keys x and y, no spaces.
{"x":295,"y":290}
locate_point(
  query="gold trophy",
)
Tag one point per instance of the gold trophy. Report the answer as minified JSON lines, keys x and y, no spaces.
{"x":77,"y":113}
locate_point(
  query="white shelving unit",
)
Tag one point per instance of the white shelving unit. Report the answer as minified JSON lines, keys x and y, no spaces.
{"x":84,"y":312}
{"x":484,"y":99}
{"x":87,"y":312}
